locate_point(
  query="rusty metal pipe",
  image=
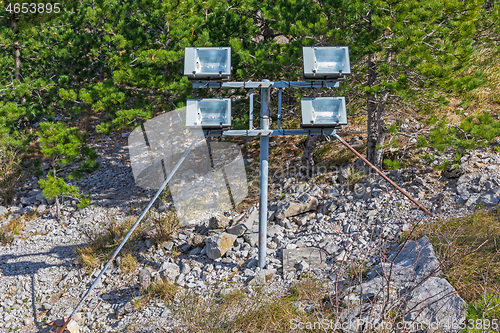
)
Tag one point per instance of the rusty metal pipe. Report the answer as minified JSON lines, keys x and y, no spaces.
{"x":383,"y":175}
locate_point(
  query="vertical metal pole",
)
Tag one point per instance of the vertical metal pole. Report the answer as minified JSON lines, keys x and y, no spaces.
{"x":251,"y":111}
{"x":264,"y":173}
{"x":279,"y":109}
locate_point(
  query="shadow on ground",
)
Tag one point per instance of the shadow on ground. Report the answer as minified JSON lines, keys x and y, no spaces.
{"x":15,"y":265}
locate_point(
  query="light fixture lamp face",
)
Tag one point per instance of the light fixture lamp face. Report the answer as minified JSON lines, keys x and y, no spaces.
{"x":211,"y":113}
{"x":326,"y":62}
{"x":207,"y":63}
{"x":323,"y":112}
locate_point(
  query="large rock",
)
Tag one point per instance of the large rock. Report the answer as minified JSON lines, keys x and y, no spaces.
{"x":259,"y":279}
{"x":40,"y":198}
{"x":434,"y":301}
{"x":344,"y":174}
{"x":253,"y":217}
{"x":273,"y":230}
{"x":3,"y":211}
{"x":219,"y":222}
{"x":218,"y":245}
{"x":169,"y":271}
{"x":312,"y":256}
{"x":144,"y":278}
{"x":237,"y":230}
{"x":417,"y":260}
{"x":252,"y":238}
{"x":490,"y":199}
{"x":27,"y":201}
{"x":330,"y":246}
{"x":304,"y":203}
{"x":409,"y":283}
{"x":245,"y":225}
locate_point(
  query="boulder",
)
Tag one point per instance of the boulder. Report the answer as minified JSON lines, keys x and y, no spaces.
{"x":344,"y":174}
{"x":218,"y":245}
{"x":273,"y":230}
{"x":3,"y":211}
{"x":238,"y":229}
{"x":27,"y":201}
{"x":246,"y":225}
{"x":169,"y":271}
{"x":296,"y":258}
{"x":304,"y":203}
{"x":303,"y":266}
{"x":259,"y":279}
{"x":434,"y":301}
{"x":125,"y":309}
{"x":218,"y":222}
{"x":330,"y":247}
{"x":144,"y":278}
{"x":409,"y":282}
{"x":252,"y":238}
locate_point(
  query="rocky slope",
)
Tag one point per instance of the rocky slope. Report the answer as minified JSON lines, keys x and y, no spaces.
{"x":315,"y":228}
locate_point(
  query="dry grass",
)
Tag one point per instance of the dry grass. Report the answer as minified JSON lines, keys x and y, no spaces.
{"x":469,"y":249}
{"x":259,"y":312}
{"x":11,"y":229}
{"x":488,"y":97}
{"x":97,"y":251}
{"x":161,"y":289}
{"x":128,"y":263}
{"x":307,"y":289}
{"x":334,"y":154}
{"x":165,"y":227}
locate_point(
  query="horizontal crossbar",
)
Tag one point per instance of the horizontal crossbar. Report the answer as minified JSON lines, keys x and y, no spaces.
{"x":263,"y":84}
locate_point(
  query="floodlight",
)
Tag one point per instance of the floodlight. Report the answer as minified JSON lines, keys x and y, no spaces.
{"x":207,"y":62}
{"x":326,"y":62}
{"x":208,"y":112}
{"x":323,"y":112}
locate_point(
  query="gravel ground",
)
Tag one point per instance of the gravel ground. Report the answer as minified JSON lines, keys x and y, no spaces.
{"x":42,"y":280}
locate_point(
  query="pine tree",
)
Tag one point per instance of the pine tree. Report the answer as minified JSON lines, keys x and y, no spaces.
{"x":123,"y":60}
{"x":29,"y":44}
{"x":402,"y":52}
{"x":409,"y":50}
{"x":64,"y":145}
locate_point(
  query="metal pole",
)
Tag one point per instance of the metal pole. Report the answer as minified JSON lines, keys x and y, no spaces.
{"x":162,"y":187}
{"x":383,"y":175}
{"x":250,"y":120}
{"x":264,"y":173}
{"x":279,"y":108}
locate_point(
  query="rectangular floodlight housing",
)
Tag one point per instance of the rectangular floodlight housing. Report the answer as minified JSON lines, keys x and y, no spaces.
{"x":323,"y":112}
{"x":326,"y":62}
{"x":207,"y":63}
{"x":210,"y":113}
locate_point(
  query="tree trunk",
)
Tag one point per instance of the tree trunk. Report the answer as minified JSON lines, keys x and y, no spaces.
{"x":375,"y":108}
{"x":58,"y":204}
{"x":17,"y":48}
{"x":58,"y":208}
{"x":17,"y":52}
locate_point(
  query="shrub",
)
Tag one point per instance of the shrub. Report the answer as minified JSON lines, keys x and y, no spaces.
{"x":63,"y":145}
{"x":392,"y":164}
{"x":474,"y":131}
